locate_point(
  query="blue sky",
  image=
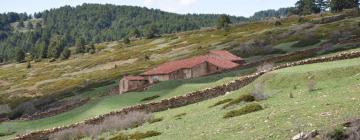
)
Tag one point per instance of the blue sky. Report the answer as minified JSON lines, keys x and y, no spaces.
{"x":232,"y":7}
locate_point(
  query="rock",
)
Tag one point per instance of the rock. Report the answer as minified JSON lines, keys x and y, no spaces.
{"x":305,"y":136}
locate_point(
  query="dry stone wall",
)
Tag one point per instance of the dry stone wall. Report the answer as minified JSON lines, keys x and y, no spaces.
{"x":55,"y":111}
{"x":189,"y":98}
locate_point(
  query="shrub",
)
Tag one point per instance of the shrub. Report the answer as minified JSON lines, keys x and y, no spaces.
{"x":120,"y":136}
{"x":221,"y":102}
{"x":252,"y":107}
{"x":180,"y":115}
{"x":337,"y":134}
{"x":156,"y":120}
{"x":150,"y":98}
{"x":140,"y":135}
{"x":242,"y":98}
{"x":113,"y":123}
{"x":278,"y":23}
{"x":135,"y":136}
{"x":306,"y":42}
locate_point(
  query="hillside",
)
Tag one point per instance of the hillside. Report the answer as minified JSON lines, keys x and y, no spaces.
{"x":334,"y":101}
{"x":253,"y":41}
{"x":47,"y":82}
{"x":92,"y":23}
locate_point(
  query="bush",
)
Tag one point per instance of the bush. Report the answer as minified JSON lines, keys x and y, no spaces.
{"x":156,"y":120}
{"x":252,"y":107}
{"x":140,"y":135}
{"x":221,"y":102}
{"x":150,"y":98}
{"x":278,"y":23}
{"x":120,"y":136}
{"x":113,"y":123}
{"x":136,"y":135}
{"x":242,"y":98}
{"x":306,"y":42}
{"x":180,"y":115}
{"x":337,"y":134}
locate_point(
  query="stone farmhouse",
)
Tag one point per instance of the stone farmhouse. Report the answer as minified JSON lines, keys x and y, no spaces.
{"x":214,"y":62}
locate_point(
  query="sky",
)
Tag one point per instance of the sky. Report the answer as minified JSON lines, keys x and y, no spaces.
{"x":232,"y":7}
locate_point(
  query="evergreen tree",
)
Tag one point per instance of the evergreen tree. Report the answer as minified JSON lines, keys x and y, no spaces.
{"x":66,"y":53}
{"x":80,"y":45}
{"x":135,"y":33}
{"x":151,"y":31}
{"x":305,"y":7}
{"x":223,"y":21}
{"x":339,"y":5}
{"x":126,"y":40}
{"x":56,"y":47}
{"x":20,"y":24}
{"x":37,"y":25}
{"x":29,"y":25}
{"x":20,"y":55}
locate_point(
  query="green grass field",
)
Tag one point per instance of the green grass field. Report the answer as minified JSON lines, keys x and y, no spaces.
{"x":335,"y":100}
{"x":107,"y":104}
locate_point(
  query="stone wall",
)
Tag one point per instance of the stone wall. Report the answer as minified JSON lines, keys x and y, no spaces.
{"x":189,"y":98}
{"x":55,"y":111}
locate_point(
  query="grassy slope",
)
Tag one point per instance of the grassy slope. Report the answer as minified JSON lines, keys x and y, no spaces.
{"x":111,"y":103}
{"x":337,"y":99}
{"x":47,"y":78}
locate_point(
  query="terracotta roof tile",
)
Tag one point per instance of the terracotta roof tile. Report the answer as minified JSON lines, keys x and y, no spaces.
{"x":223,"y":62}
{"x":226,"y":55}
{"x":134,"y":78}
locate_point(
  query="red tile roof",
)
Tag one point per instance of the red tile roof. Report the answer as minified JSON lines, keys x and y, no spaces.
{"x":222,"y":62}
{"x":226,"y":55}
{"x":134,"y":78}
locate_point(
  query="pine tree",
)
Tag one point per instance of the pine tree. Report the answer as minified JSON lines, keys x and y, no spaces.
{"x":56,"y":47}
{"x":223,"y":21}
{"x":80,"y":45}
{"x":135,"y":33}
{"x":20,"y":55}
{"x":151,"y":31}
{"x":30,"y":25}
{"x":306,"y":7}
{"x":66,"y":53}
{"x":126,"y":40}
{"x":339,"y":5}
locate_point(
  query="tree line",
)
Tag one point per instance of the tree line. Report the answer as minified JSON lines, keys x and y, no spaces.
{"x":306,"y":7}
{"x":84,"y":25}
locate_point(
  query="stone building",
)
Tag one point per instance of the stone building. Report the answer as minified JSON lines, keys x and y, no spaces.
{"x":132,"y":83}
{"x":214,"y":62}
